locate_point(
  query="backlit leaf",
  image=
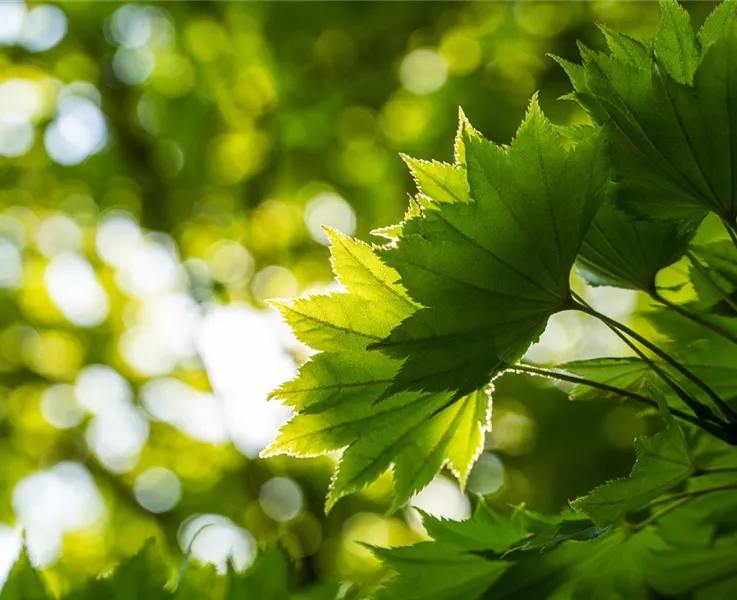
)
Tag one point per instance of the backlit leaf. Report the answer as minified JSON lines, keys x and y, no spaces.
{"x":621,"y":252}
{"x":673,"y":163}
{"x":336,"y":395}
{"x":489,"y":273}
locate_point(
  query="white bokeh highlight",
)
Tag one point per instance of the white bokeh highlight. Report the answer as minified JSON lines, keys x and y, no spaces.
{"x":441,"y":498}
{"x":331,"y":210}
{"x":53,"y":502}
{"x":244,"y":353}
{"x":44,"y":26}
{"x":73,"y":287}
{"x":59,"y":406}
{"x":100,"y":389}
{"x":11,"y":264}
{"x":118,"y":234}
{"x":281,"y":499}
{"x":423,"y":71}
{"x":78,"y":131}
{"x":197,"y":414}
{"x":215,"y":539}
{"x":117,"y":437}
{"x":157,"y":489}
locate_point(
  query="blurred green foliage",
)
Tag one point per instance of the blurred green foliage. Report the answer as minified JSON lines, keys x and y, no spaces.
{"x":161,"y":160}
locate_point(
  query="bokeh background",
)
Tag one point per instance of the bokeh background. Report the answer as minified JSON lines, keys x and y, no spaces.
{"x":167,"y":167}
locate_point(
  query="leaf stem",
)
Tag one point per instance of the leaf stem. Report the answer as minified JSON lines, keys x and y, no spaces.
{"x":695,"y":317}
{"x":659,"y":513}
{"x":701,"y":268}
{"x":679,"y":500}
{"x":701,"y":411}
{"x":730,"y":485}
{"x":717,"y":470}
{"x":561,"y":376}
{"x":731,"y":230}
{"x":726,"y":410}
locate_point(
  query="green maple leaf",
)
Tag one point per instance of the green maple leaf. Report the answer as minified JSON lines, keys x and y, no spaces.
{"x":490,"y":272}
{"x":663,"y":461}
{"x":451,"y":566}
{"x":715,"y":25}
{"x":326,"y":590}
{"x":417,"y":433}
{"x":374,"y":304}
{"x":673,"y":162}
{"x":675,"y":44}
{"x":611,"y":566}
{"x":705,"y":353}
{"x":621,"y":252}
{"x":522,"y":556}
{"x":24,"y":582}
{"x":436,"y":182}
{"x":335,"y":393}
{"x":487,"y":530}
{"x":437,"y":571}
{"x":439,"y":182}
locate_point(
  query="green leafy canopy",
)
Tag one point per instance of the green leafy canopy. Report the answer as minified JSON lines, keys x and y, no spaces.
{"x":407,"y":352}
{"x":469,"y":279}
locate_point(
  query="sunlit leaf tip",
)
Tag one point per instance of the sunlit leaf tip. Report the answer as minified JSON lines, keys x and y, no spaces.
{"x":438,"y":181}
{"x":464,"y":129}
